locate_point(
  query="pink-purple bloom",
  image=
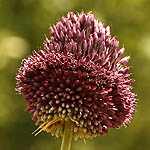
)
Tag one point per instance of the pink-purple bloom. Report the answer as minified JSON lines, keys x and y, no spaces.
{"x":79,"y":75}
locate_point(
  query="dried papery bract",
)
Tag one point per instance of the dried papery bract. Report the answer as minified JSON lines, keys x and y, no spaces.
{"x":79,"y":76}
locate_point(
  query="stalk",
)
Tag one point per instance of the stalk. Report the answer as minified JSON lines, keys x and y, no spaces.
{"x":67,"y":137}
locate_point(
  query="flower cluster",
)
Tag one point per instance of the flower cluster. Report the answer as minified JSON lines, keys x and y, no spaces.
{"x":80,"y":75}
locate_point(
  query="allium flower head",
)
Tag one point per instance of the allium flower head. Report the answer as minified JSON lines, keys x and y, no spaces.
{"x":79,"y":75}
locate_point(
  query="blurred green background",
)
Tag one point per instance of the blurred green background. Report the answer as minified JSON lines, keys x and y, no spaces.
{"x":23,"y":25}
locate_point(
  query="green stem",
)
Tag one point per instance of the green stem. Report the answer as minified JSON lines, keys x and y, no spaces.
{"x":67,"y":137}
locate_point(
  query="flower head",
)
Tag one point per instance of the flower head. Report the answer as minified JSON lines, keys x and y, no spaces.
{"x":80,"y":75}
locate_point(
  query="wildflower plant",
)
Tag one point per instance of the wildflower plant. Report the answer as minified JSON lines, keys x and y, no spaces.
{"x":78,"y":86}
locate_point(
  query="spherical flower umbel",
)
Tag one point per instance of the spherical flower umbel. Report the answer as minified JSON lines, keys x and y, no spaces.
{"x":80,"y":75}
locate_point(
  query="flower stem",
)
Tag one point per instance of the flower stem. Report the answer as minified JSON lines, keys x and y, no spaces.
{"x":67,"y":137}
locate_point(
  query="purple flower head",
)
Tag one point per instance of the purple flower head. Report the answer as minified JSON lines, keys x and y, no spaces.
{"x":79,"y":75}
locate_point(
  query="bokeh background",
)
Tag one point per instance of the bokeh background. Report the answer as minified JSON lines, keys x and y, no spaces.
{"x":23,"y":25}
